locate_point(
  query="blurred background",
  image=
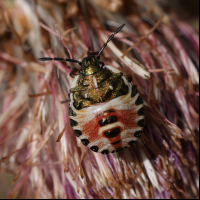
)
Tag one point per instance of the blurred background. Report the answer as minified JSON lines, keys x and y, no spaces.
{"x":187,"y":10}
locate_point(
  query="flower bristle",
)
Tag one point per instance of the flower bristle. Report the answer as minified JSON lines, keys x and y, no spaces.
{"x":37,"y":145}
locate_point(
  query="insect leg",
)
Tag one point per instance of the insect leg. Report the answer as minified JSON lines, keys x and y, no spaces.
{"x":66,"y":101}
{"x":128,"y":78}
{"x":73,"y":73}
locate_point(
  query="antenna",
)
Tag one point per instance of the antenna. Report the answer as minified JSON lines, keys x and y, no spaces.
{"x":110,"y":38}
{"x":59,"y":59}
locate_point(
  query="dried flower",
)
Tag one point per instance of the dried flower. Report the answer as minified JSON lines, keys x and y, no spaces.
{"x":38,"y":147}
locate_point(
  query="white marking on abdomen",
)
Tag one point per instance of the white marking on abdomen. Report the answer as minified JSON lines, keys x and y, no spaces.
{"x":111,"y":87}
{"x":74,"y":81}
{"x":95,"y":82}
{"x":101,"y":99}
{"x":112,"y":69}
{"x":111,"y":126}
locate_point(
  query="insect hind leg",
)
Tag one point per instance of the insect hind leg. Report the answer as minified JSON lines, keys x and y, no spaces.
{"x":66,"y":101}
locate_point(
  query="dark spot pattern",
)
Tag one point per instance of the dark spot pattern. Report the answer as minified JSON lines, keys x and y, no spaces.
{"x":129,"y":78}
{"x":134,"y":91}
{"x":104,"y":77}
{"x":78,"y":133}
{"x":132,"y":143}
{"x":71,"y":112}
{"x":100,"y":114}
{"x":138,"y":134}
{"x":112,"y":133}
{"x":105,"y":152}
{"x":107,"y":120}
{"x":114,"y":143}
{"x":94,"y":148}
{"x":125,"y":147}
{"x":139,"y":101}
{"x":85,"y":142}
{"x":73,"y":123}
{"x":141,"y":112}
{"x":119,"y":149}
{"x":77,"y":105}
{"x":113,"y":151}
{"x":141,"y":123}
{"x":124,"y":90}
{"x":109,"y":111}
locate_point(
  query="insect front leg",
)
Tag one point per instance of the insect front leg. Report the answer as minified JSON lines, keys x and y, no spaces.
{"x":74,"y":72}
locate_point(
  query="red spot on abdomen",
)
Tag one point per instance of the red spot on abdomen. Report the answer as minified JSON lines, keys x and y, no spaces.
{"x":126,"y":117}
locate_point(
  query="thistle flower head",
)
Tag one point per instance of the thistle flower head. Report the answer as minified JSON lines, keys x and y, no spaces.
{"x":37,"y":144}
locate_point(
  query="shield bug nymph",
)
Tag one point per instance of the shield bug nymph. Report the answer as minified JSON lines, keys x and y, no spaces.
{"x":106,"y":111}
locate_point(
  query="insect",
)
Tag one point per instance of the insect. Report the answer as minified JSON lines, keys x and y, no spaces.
{"x":106,"y":111}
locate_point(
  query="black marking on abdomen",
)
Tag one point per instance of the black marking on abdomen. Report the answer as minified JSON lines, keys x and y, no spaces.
{"x":141,"y":112}
{"x":73,"y":123}
{"x":120,"y":149}
{"x":94,"y":148}
{"x":85,"y":142}
{"x":114,"y":143}
{"x":100,"y":114}
{"x":139,"y":101}
{"x":107,"y":120}
{"x":71,"y":112}
{"x":138,"y":134}
{"x":105,"y":152}
{"x":132,"y":143}
{"x":78,"y":133}
{"x":128,"y":78}
{"x":109,"y":111}
{"x":134,"y":91}
{"x":112,"y":133}
{"x":124,"y":90}
{"x":141,"y":123}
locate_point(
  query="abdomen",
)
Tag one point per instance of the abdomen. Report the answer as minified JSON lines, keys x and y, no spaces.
{"x":111,"y":126}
